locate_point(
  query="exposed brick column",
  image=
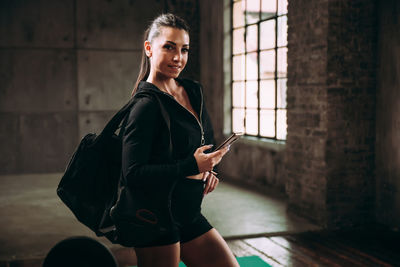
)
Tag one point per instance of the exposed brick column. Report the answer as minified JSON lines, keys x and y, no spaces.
{"x":331,"y":110}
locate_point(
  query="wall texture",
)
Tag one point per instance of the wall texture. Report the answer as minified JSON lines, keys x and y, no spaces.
{"x":65,"y":68}
{"x":305,"y":152}
{"x":248,"y":162}
{"x":38,"y":103}
{"x":340,"y":163}
{"x":331,"y":111}
{"x":388,"y":115}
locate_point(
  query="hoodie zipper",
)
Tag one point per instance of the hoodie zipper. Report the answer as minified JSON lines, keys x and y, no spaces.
{"x":202,"y":141}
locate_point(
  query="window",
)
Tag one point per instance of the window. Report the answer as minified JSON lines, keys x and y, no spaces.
{"x":259,"y":76}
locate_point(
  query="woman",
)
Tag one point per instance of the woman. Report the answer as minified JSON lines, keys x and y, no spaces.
{"x":166,"y":157}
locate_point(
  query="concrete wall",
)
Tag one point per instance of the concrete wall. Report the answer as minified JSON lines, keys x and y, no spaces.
{"x":66,"y":67}
{"x":38,"y":103}
{"x":388,"y":115}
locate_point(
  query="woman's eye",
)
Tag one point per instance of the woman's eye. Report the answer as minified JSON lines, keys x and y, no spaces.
{"x":185,"y":50}
{"x":168,"y":47}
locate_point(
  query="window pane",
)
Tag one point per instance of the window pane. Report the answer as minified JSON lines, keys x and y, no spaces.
{"x":282,"y":31}
{"x":267,"y":94}
{"x":251,"y":122}
{"x":238,"y":41}
{"x":267,"y":34}
{"x":238,"y":94}
{"x":282,"y":62}
{"x":268,"y":9}
{"x":281,"y":125}
{"x":238,"y":14}
{"x":238,"y":120}
{"x":282,"y":7}
{"x":259,"y":67}
{"x":252,"y":38}
{"x":281,"y":93}
{"x":252,"y":66}
{"x":238,"y":68}
{"x":252,"y":11}
{"x":267,"y":123}
{"x":251,"y":94}
{"x":267,"y":64}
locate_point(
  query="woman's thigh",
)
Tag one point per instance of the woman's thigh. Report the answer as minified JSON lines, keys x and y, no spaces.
{"x":168,"y":256}
{"x":208,"y":250}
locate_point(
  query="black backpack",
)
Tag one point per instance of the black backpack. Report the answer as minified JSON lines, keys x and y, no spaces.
{"x":89,"y":186}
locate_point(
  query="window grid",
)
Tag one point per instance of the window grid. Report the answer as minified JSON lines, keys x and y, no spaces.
{"x":244,"y":79}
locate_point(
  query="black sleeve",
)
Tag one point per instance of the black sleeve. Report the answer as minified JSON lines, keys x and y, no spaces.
{"x":137,"y":145}
{"x":210,"y":133}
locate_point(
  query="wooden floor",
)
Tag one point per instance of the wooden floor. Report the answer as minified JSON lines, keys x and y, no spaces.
{"x":344,"y":248}
{"x":341,"y":248}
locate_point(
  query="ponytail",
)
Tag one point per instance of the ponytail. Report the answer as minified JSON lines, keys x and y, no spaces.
{"x":164,"y":20}
{"x":144,"y":66}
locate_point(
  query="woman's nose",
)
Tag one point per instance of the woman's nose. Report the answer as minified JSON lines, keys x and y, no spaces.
{"x":177,"y":56}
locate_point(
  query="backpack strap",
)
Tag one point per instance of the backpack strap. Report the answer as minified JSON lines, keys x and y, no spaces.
{"x":115,"y":121}
{"x":164,"y":114}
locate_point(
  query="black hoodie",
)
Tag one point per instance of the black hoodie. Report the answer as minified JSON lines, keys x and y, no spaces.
{"x":146,"y":157}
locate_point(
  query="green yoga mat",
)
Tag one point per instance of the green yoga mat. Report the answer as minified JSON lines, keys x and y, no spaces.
{"x":248,"y":261}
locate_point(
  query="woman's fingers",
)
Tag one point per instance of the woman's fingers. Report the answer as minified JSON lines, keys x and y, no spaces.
{"x":220,"y":152}
{"x":211,"y":183}
{"x":206,"y":162}
{"x":207,"y":186}
{"x":217,"y":156}
{"x":204,"y":148}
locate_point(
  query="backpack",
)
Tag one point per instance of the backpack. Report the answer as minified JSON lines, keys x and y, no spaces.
{"x":89,"y":185}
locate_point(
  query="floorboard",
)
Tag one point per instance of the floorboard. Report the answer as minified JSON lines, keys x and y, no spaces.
{"x":367,"y":247}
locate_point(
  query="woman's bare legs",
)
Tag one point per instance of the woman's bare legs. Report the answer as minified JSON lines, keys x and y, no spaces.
{"x":208,"y":250}
{"x":161,"y":256}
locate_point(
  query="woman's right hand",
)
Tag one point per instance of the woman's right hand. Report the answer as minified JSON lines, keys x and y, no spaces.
{"x":206,"y":162}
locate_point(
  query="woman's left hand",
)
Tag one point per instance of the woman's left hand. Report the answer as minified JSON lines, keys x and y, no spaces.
{"x":211,"y":182}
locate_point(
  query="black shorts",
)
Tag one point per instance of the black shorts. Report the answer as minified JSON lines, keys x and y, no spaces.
{"x":182,"y":234}
{"x":189,"y":223}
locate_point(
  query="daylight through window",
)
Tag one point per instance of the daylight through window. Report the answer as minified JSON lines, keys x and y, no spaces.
{"x":259,"y":76}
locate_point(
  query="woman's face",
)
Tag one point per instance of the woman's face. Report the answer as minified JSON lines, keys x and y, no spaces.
{"x":168,"y":52}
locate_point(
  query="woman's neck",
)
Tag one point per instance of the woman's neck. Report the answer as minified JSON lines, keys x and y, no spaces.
{"x":165,"y":84}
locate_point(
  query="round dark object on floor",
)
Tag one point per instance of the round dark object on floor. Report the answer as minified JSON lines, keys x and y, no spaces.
{"x":79,"y":251}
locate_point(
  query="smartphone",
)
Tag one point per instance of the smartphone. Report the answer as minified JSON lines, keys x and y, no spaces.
{"x":229,"y":140}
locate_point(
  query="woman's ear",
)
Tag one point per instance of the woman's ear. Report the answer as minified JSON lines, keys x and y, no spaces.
{"x":147,"y":48}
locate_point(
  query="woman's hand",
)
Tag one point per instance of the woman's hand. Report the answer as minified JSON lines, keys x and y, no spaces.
{"x":206,"y":162}
{"x":211,"y":182}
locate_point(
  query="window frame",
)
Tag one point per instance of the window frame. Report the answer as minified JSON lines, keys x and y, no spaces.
{"x":276,"y":78}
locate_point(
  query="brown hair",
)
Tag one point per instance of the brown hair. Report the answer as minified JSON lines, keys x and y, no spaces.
{"x":154,"y":30}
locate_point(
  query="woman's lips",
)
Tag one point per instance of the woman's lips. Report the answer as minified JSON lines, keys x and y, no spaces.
{"x":175,"y":67}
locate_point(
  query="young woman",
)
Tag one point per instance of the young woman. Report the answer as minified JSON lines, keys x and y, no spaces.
{"x":172,"y":162}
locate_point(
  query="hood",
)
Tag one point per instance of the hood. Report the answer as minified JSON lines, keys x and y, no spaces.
{"x":191,"y":87}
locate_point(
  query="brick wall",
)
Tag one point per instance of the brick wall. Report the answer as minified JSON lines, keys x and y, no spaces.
{"x":351,"y":88}
{"x":388,"y":115}
{"x":306,"y":99}
{"x":249,"y":162}
{"x":331,"y":110}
